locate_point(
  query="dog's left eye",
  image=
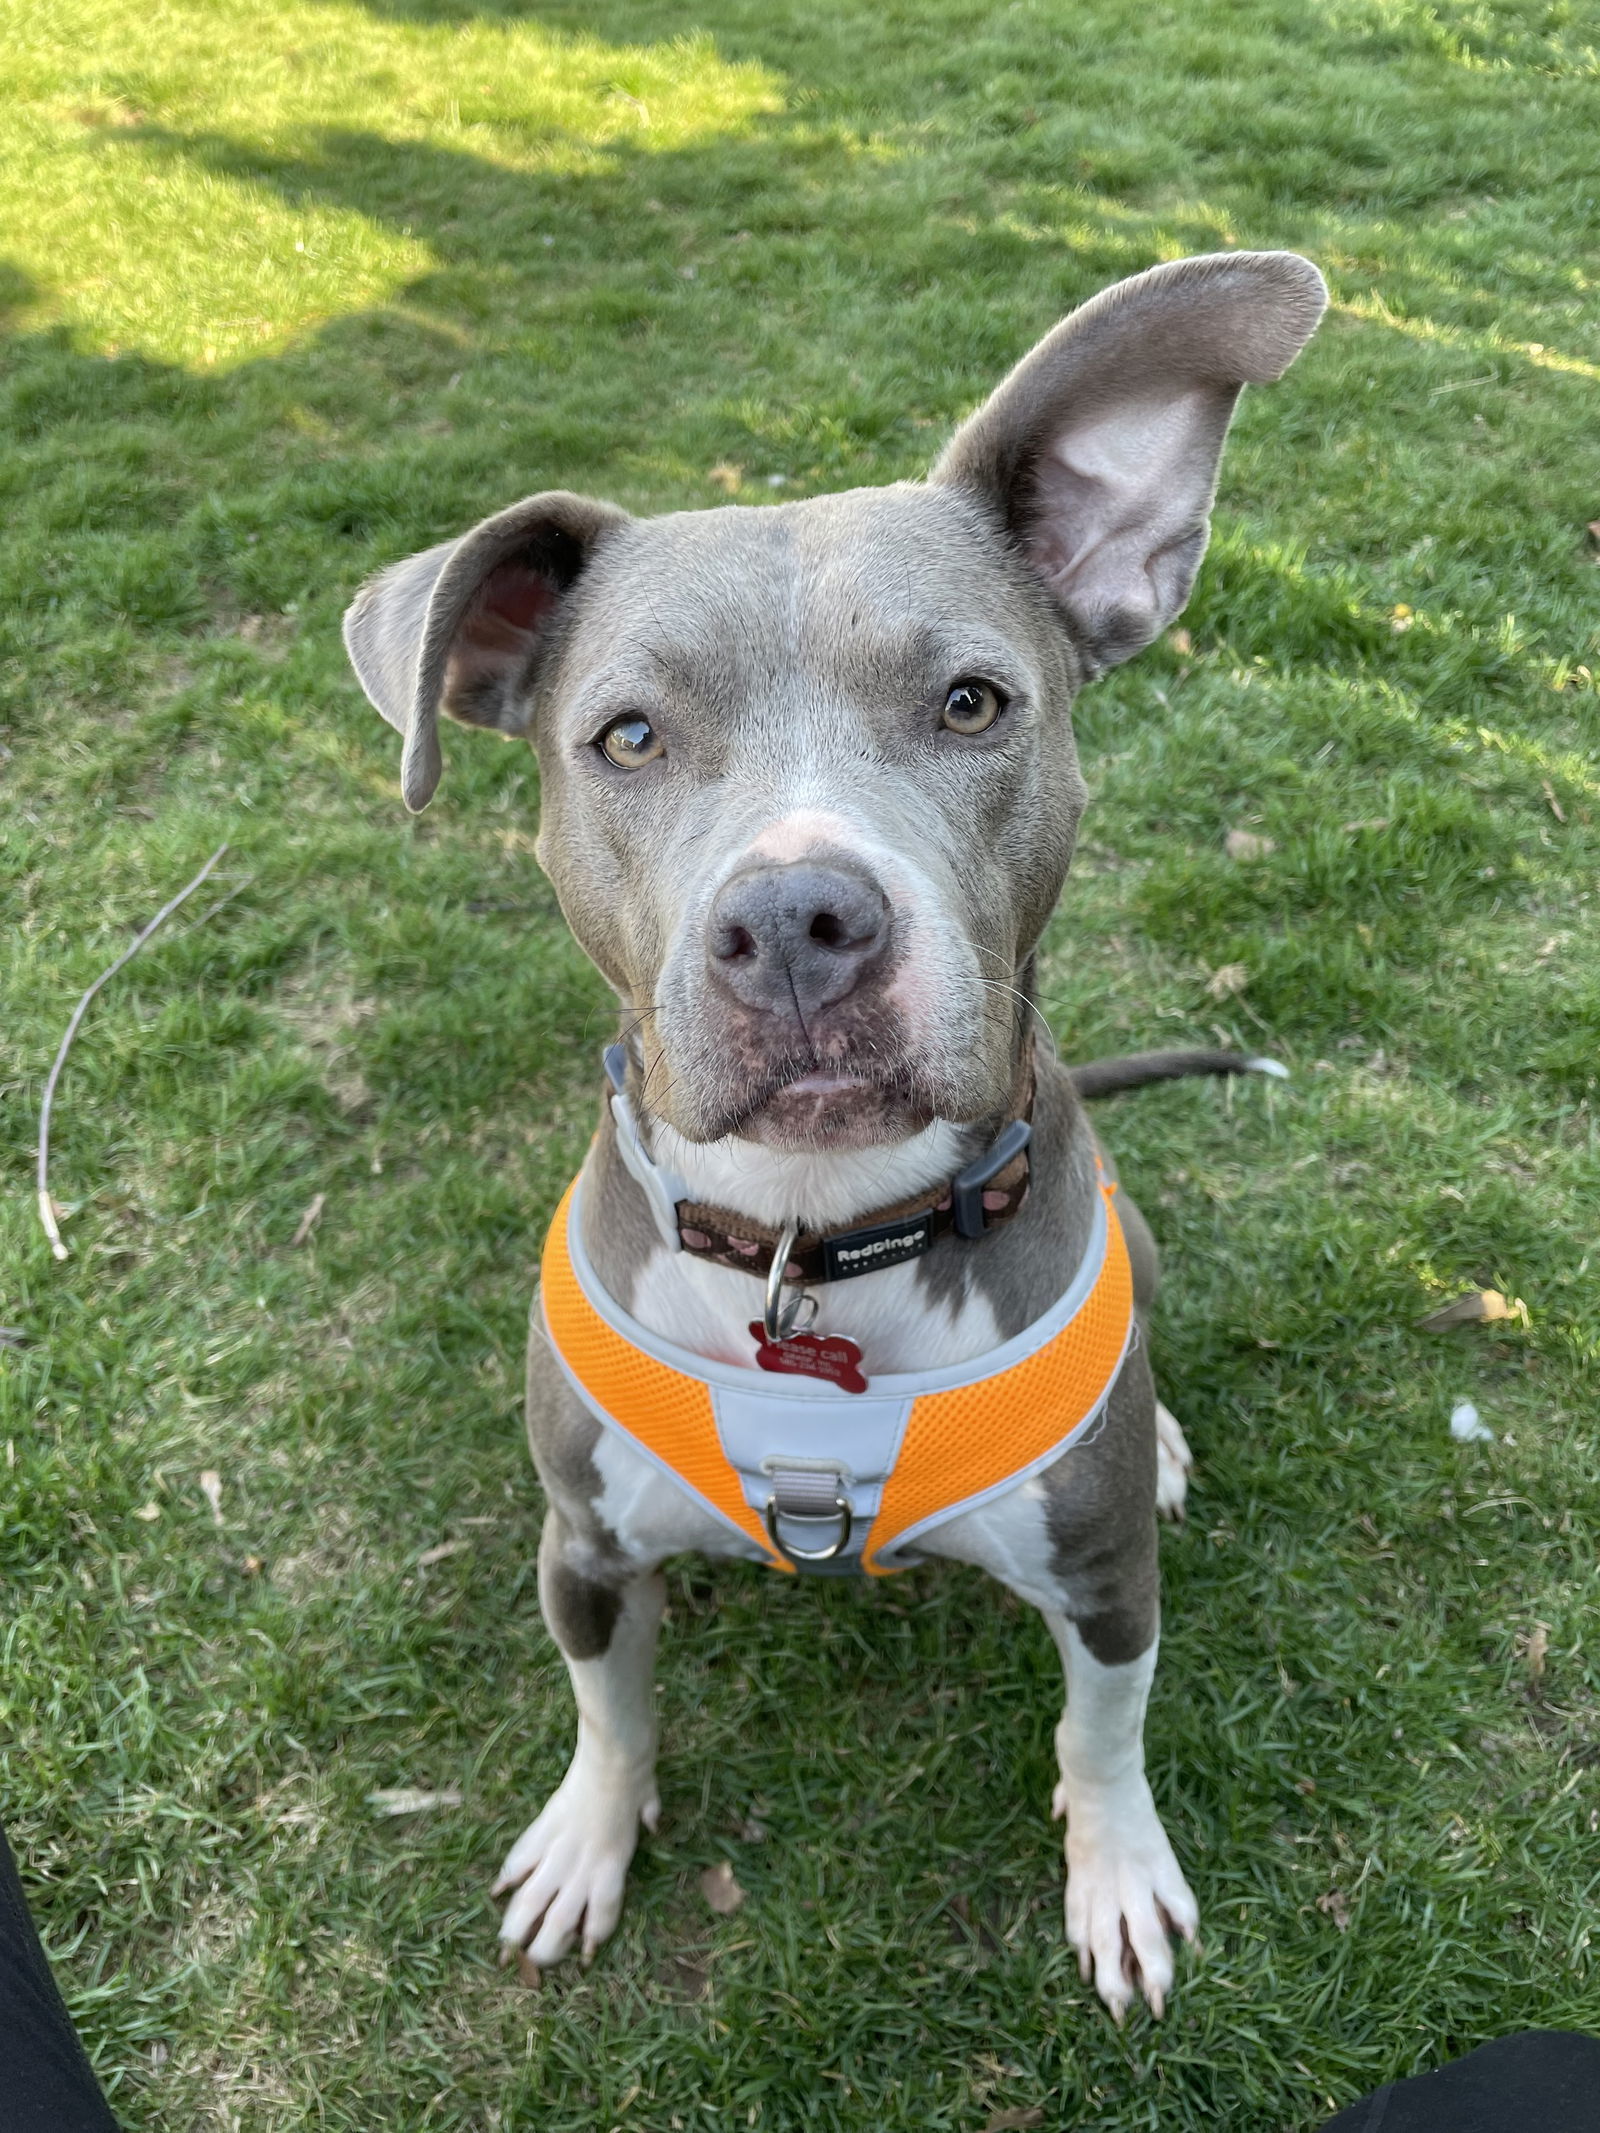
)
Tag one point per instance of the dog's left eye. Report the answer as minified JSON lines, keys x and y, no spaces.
{"x":972,"y":706}
{"x":630,"y":743}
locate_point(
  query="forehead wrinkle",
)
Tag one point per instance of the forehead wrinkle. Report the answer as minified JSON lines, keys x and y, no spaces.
{"x":917,"y":603}
{"x":625,"y":677}
{"x":723,"y":624}
{"x":872,"y":594}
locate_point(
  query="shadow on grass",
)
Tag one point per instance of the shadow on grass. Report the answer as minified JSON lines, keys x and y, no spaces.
{"x":707,"y":295}
{"x":629,"y":326}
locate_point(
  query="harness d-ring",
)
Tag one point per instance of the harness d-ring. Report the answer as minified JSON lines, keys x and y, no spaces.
{"x":779,"y":1320}
{"x":841,"y":1511}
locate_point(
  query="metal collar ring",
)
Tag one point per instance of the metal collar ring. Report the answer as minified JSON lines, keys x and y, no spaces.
{"x":779,"y":1319}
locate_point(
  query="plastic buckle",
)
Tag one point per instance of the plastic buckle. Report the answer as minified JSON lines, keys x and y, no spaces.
{"x":662,"y":1188}
{"x":966,"y":1190}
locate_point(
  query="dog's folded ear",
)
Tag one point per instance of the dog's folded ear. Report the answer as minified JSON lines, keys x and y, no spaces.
{"x":461,"y":627}
{"x":1099,"y":452}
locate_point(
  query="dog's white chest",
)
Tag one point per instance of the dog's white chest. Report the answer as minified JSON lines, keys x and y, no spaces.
{"x":890,"y":1316}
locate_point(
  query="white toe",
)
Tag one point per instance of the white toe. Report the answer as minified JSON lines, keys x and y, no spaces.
{"x":565,"y":1873}
{"x":1174,"y":1463}
{"x":1124,"y":1889}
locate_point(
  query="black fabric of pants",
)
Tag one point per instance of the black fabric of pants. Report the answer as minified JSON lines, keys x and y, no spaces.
{"x":1543,"y":2081}
{"x":46,"y":2084}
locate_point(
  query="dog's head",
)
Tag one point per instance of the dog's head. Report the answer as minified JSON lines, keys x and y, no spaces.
{"x":809,"y":782}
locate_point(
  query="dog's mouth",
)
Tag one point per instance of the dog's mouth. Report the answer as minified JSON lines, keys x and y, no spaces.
{"x":807,"y":1105}
{"x":827,"y":1081}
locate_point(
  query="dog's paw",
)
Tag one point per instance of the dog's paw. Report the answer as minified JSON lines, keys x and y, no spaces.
{"x":565,"y":1872}
{"x":1126,"y":1896}
{"x":1173,"y":1463}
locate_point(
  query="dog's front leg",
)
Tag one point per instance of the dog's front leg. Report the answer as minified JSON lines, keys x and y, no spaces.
{"x":1125,"y":1890}
{"x":1079,"y":1543}
{"x":568,"y":1867}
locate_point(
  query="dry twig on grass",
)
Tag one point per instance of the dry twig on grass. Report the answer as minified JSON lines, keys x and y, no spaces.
{"x":308,"y":1221}
{"x":47,"y":1207}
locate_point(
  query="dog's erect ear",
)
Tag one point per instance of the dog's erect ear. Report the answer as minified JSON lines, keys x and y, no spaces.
{"x":1100,"y":451}
{"x":460,"y":626}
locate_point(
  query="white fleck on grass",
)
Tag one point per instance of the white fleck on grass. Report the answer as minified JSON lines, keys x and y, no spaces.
{"x":1466,"y":1425}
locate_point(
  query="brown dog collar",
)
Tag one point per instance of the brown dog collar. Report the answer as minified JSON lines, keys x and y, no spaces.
{"x":987,"y":1193}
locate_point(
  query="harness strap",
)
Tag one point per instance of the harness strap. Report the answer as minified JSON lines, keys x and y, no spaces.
{"x":975,"y":1442}
{"x":665,"y":1412}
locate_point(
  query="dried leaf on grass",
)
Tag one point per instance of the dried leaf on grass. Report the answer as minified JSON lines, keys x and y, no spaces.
{"x":1476,"y":1307}
{"x":1245,"y":844}
{"x":1015,"y":2119}
{"x":1536,"y":1649}
{"x":1556,"y":807}
{"x":1336,"y":1905}
{"x":437,"y":1554}
{"x":720,"y":1890}
{"x":211,"y":1490}
{"x":149,"y":1512}
{"x":727,"y":477}
{"x":1224,"y":983}
{"x":308,"y":1221}
{"x":411,"y":1799}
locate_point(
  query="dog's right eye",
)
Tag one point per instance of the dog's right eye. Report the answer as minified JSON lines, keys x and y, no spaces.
{"x":630,"y":743}
{"x":972,"y":705}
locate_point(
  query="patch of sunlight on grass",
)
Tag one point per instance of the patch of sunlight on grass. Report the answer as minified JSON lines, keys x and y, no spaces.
{"x":1544,"y":358}
{"x":169,"y":261}
{"x":1557,"y":40}
{"x":135,"y":246}
{"x":1117,"y":231}
{"x":1575,"y":770}
{"x":1376,"y":312}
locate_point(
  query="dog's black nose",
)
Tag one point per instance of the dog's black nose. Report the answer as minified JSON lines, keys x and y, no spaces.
{"x":790,"y":940}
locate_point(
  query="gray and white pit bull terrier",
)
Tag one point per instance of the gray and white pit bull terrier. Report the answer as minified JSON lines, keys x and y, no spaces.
{"x":810,"y":793}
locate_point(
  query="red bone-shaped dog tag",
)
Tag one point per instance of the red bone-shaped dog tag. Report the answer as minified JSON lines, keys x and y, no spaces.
{"x":811,"y":1355}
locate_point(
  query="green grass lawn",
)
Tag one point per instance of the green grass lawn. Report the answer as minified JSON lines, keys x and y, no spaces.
{"x":293,"y":288}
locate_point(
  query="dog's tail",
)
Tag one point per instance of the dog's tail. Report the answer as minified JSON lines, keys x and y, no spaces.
{"x":1107,"y":1077}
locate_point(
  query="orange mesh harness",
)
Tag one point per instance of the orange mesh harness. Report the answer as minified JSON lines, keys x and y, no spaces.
{"x":879,"y":1469}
